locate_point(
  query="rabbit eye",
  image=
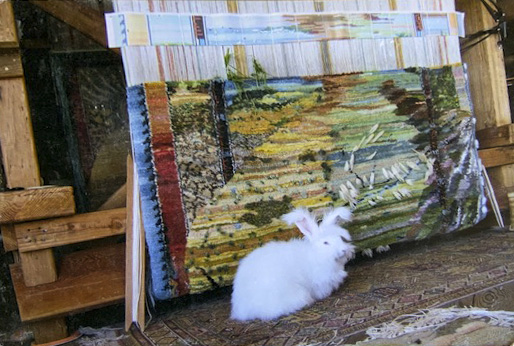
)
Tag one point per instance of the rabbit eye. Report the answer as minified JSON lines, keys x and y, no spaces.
{"x":325,"y":242}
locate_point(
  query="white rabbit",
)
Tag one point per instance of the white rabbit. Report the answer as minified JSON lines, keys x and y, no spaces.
{"x":283,"y":277}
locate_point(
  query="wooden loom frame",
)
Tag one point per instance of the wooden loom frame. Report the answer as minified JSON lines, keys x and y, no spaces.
{"x":495,"y":133}
{"x":495,"y":109}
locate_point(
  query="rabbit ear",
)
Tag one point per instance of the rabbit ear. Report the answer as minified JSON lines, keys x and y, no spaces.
{"x":303,"y":220}
{"x":331,"y":217}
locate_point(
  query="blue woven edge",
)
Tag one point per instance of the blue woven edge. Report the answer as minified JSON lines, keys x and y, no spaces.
{"x":150,"y":209}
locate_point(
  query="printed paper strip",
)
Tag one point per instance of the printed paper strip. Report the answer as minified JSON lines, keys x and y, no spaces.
{"x":161,"y":29}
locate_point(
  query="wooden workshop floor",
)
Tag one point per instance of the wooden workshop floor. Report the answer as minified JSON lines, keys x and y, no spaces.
{"x":469,"y":268}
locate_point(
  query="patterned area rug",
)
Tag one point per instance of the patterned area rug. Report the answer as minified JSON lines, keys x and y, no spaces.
{"x":220,"y":161}
{"x":430,"y":273}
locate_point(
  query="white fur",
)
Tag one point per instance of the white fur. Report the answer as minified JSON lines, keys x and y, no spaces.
{"x":283,"y":277}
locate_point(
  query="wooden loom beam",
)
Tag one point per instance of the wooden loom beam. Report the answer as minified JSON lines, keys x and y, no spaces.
{"x":488,"y":88}
{"x":486,"y":69}
{"x":497,"y":145}
{"x":496,"y":136}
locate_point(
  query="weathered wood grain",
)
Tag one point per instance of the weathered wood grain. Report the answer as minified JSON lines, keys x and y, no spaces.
{"x":486,"y":69}
{"x":9,"y":237}
{"x":8,"y":37}
{"x":16,"y":136}
{"x":10,"y":63}
{"x":487,"y":84}
{"x":494,"y":157}
{"x":496,"y":136}
{"x":38,"y":267}
{"x":49,"y":330}
{"x":36,"y":203}
{"x":45,"y":234}
{"x":87,"y":279}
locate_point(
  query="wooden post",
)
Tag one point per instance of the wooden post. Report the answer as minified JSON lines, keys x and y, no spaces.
{"x":17,"y":140}
{"x":487,"y":80}
{"x":49,"y":330}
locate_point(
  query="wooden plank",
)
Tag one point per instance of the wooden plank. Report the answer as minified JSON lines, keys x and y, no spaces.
{"x":496,"y":136}
{"x":129,"y":244}
{"x":135,"y":263}
{"x":8,"y":37}
{"x":49,"y":330}
{"x":38,"y":267}
{"x":494,"y":157}
{"x":88,"y":279}
{"x":16,"y":137}
{"x":9,"y":237}
{"x":36,"y":203}
{"x":10,"y":63}
{"x":84,"y":18}
{"x":45,"y":234}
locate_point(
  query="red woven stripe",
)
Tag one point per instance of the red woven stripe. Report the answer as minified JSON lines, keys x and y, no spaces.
{"x":168,"y":180}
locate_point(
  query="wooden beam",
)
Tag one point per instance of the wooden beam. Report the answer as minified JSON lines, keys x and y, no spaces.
{"x":487,"y":78}
{"x":8,"y":37}
{"x":38,"y":267}
{"x":16,"y":136}
{"x":87,"y":279}
{"x":85,"y":19}
{"x":10,"y":63}
{"x":9,"y":237}
{"x":36,"y":203}
{"x":45,"y":234}
{"x":496,"y":136}
{"x":494,"y":157}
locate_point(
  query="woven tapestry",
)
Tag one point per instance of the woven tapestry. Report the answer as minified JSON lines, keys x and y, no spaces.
{"x":220,"y":161}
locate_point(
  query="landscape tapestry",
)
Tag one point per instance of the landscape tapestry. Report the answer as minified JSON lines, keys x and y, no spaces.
{"x":220,"y":161}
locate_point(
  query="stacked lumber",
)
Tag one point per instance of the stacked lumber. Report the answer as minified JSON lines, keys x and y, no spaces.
{"x":35,"y":219}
